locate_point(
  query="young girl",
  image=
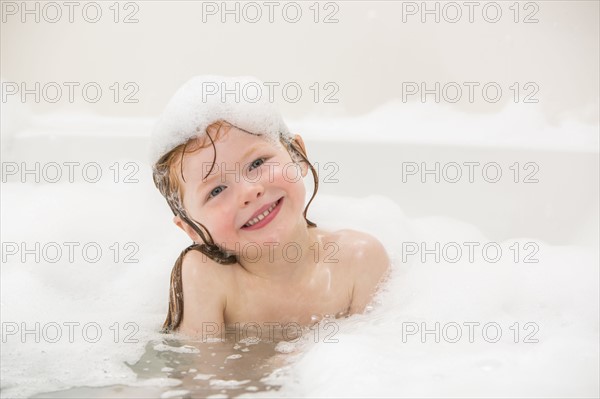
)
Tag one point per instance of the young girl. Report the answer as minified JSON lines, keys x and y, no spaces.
{"x":232,"y":174}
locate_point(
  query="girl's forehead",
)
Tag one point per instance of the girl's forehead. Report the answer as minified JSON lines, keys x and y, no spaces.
{"x":234,"y":146}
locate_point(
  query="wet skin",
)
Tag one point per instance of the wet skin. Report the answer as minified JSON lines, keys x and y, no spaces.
{"x":287,"y":271}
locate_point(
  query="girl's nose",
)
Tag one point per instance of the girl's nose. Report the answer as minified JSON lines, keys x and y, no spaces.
{"x":252,"y":191}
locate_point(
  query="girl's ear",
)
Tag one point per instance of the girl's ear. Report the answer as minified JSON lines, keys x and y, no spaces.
{"x":300,"y":144}
{"x":187,"y":229}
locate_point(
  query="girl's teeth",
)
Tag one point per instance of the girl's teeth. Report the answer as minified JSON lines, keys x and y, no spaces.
{"x":261,"y":216}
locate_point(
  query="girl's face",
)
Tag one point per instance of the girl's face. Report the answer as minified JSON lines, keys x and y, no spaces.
{"x":254,"y":194}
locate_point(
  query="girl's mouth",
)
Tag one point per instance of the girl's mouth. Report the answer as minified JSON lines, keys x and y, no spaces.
{"x":265,"y":217}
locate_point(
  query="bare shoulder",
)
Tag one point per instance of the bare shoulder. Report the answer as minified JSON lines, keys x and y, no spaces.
{"x":204,"y":284}
{"x":199,"y":268}
{"x":368,"y":261}
{"x":361,"y":247}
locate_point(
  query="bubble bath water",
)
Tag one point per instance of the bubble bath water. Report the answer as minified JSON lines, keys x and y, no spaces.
{"x":434,"y":329}
{"x":512,"y":317}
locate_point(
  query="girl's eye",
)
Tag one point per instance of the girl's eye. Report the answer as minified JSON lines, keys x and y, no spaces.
{"x":257,"y":163}
{"x":216,"y":191}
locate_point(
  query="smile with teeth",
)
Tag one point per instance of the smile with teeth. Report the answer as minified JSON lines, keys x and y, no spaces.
{"x":262,"y":215}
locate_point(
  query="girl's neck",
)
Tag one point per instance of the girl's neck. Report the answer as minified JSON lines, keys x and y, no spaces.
{"x":284,"y":261}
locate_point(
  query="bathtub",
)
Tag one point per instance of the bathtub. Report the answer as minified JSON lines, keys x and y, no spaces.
{"x":374,"y":180}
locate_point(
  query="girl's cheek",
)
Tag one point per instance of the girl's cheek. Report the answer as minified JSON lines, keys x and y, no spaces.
{"x":222,"y":217}
{"x":286,"y":173}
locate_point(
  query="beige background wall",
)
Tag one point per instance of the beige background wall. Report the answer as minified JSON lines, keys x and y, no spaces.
{"x":368,"y":53}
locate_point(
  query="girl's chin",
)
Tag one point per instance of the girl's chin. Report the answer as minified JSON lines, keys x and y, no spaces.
{"x":275,"y":234}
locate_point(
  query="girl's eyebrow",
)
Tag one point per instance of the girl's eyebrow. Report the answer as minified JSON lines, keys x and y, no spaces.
{"x":210,"y":178}
{"x":213,"y":176}
{"x":250,"y":151}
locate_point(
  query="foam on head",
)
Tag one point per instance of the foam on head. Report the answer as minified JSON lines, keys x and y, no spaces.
{"x":241,"y":101}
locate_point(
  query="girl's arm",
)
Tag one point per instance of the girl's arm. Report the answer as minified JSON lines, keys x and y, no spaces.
{"x":204,"y":297}
{"x":370,"y":269}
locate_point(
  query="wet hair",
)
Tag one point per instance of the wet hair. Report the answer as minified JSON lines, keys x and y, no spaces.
{"x":167,"y":173}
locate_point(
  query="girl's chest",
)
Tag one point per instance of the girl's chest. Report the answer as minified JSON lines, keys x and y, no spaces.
{"x":324,"y":294}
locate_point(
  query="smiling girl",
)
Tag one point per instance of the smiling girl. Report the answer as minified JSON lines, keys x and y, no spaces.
{"x":232,"y":175}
